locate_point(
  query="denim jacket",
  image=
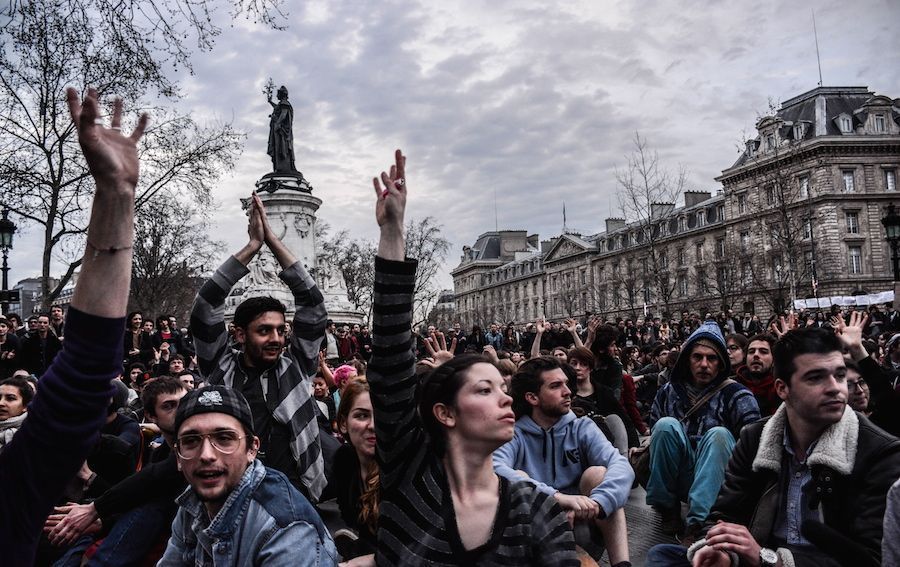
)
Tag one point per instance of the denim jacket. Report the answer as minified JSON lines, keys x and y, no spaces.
{"x":264,"y":521}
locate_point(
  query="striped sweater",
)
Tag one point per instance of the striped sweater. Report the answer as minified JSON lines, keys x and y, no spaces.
{"x":219,"y":363}
{"x":416,"y":524}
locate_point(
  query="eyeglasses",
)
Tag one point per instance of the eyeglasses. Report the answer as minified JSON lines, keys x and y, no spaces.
{"x":226,"y":442}
{"x":854,"y":384}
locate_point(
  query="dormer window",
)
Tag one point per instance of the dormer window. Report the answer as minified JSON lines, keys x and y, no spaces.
{"x":880,"y":123}
{"x":751,"y":144}
{"x":846,"y":124}
{"x":799,"y":131}
{"x":770,"y":141}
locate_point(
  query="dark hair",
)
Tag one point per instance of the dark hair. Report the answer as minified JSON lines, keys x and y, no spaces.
{"x":529,"y":379}
{"x":16,"y":317}
{"x":739,"y":339}
{"x":583,"y":355}
{"x":160,"y":319}
{"x":162,"y":385}
{"x":132,"y":314}
{"x":763,"y":337}
{"x":812,"y":340}
{"x":657,"y":350}
{"x":176,"y":356}
{"x":25,"y":391}
{"x":440,"y":386}
{"x":605,"y":336}
{"x":252,"y":308}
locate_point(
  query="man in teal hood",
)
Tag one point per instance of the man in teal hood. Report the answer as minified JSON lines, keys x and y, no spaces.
{"x":690,"y":447}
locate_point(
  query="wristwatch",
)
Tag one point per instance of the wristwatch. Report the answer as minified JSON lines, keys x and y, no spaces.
{"x":767,"y":557}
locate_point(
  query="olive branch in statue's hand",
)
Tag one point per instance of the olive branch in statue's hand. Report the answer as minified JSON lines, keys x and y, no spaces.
{"x":268,"y":89}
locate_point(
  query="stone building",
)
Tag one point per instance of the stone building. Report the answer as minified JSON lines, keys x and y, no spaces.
{"x":798,"y":215}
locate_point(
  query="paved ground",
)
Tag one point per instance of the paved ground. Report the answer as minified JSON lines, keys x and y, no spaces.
{"x":643,"y":526}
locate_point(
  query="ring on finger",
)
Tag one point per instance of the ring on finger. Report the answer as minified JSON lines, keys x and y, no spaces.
{"x":98,"y":121}
{"x":115,"y":128}
{"x":399,"y":182}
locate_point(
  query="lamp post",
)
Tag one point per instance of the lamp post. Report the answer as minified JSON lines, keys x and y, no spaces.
{"x":7,"y":229}
{"x":891,"y":222}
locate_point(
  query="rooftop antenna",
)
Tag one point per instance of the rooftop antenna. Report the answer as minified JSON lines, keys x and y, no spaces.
{"x":818,"y":58}
{"x":496,"y":224}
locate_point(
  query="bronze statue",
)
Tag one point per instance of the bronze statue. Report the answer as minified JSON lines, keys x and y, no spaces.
{"x":281,"y":133}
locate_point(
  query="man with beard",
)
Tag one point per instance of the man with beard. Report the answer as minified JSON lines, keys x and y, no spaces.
{"x":139,"y":509}
{"x":756,"y":374}
{"x":586,"y":474}
{"x":275,"y":384}
{"x":807,"y":486}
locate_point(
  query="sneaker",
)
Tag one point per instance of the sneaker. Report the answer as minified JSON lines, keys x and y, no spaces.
{"x":692,"y":533}
{"x":671,"y":523}
{"x":345,"y":542}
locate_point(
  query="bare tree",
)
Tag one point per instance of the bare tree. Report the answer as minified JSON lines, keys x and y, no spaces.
{"x":355,"y":259}
{"x":647,"y":197}
{"x":46,"y":46}
{"x":426,"y":243}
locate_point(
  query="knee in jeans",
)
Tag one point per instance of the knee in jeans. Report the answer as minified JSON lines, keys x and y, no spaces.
{"x":719,"y":436}
{"x":666,"y":426}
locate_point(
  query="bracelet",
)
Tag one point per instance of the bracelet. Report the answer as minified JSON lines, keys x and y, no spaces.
{"x":110,"y":250}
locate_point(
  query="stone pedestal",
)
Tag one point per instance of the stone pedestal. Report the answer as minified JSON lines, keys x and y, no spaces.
{"x":291,"y":209}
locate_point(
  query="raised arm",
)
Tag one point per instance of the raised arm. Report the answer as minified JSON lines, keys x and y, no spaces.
{"x":572,"y":327}
{"x":391,"y":372}
{"x":540,"y":326}
{"x":208,"y":311}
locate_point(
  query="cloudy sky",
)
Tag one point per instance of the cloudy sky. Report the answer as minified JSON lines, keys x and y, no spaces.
{"x":534,"y":102}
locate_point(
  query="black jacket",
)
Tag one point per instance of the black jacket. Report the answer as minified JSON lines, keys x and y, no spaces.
{"x":850,"y":481}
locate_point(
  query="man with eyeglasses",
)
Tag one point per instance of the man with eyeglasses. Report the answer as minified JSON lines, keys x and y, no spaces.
{"x":236,"y":511}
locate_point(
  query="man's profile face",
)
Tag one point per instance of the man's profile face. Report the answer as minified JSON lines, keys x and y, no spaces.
{"x":759,"y":357}
{"x":704,"y":364}
{"x":263,"y":339}
{"x":165,"y":409}
{"x":211,"y":473}
{"x":554,"y":399}
{"x":817,"y":393}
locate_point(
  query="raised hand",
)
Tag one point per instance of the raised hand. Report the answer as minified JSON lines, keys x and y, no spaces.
{"x":784,"y":324}
{"x":541,"y":326}
{"x":571,"y":325}
{"x":258,"y":226}
{"x":851,"y":333}
{"x":111,"y":156}
{"x":436,"y":345}
{"x":391,"y":196}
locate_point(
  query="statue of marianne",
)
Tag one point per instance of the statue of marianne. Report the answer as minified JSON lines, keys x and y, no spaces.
{"x":281,"y":133}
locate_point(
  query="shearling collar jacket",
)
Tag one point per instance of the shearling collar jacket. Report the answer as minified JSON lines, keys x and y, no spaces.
{"x":853,"y":465}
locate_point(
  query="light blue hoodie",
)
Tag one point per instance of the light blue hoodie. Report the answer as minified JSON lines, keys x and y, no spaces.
{"x":555,"y":459}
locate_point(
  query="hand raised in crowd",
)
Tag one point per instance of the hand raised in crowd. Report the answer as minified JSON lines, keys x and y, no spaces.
{"x":571,"y":325}
{"x":436,"y":345}
{"x":390,"y":206}
{"x":111,"y":156}
{"x":851,"y":333}
{"x":256,"y":227}
{"x":784,"y":324}
{"x":541,"y":326}
{"x":70,"y":522}
{"x":490,"y":352}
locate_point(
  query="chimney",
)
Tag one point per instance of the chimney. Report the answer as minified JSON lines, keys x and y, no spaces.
{"x":692,"y":198}
{"x":534,"y":240}
{"x":660,"y":210}
{"x":613,"y":224}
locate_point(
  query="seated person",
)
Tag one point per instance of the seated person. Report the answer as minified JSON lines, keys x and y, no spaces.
{"x":582,"y":470}
{"x":756,"y":373}
{"x":15,"y":395}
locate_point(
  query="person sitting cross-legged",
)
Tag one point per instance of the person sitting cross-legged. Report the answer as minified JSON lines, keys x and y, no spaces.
{"x":582,"y":469}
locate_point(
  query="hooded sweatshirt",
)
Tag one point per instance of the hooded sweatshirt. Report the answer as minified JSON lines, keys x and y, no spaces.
{"x":732,"y":407}
{"x":555,"y":459}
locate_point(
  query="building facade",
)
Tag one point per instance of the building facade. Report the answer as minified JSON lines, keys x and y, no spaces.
{"x":797,"y":216}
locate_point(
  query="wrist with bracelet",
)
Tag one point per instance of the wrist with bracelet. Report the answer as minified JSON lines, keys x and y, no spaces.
{"x":107,"y":249}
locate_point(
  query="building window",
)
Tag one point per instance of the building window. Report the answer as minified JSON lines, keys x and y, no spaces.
{"x":720,"y":213}
{"x":776,"y":267}
{"x":849,"y":186}
{"x":742,"y":203}
{"x":682,"y":285}
{"x":770,"y":195}
{"x":663,"y":260}
{"x":807,"y":229}
{"x":846,"y":124}
{"x":701,"y":218}
{"x":804,"y":186}
{"x":681,"y":258}
{"x":722,"y":277}
{"x":720,"y":248}
{"x":855,"y":260}
{"x":798,"y":131}
{"x":698,"y":252}
{"x":880,"y":123}
{"x":745,"y":241}
{"x":702,"y":284}
{"x":746,"y":274}
{"x":852,"y":222}
{"x":890,"y":179}
{"x":770,"y":142}
{"x":682,"y":224}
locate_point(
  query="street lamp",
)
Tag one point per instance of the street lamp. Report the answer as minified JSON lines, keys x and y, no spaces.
{"x":7,"y":229}
{"x":891,"y":222}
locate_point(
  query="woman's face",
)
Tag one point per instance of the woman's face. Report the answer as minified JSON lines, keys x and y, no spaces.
{"x":857,"y":391}
{"x":360,"y":427}
{"x":11,"y":403}
{"x":483,"y":411}
{"x":560,"y":353}
{"x":582,"y":370}
{"x":136,"y":321}
{"x":735,"y":353}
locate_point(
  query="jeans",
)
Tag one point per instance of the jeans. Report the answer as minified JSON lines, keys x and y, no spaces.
{"x":129,"y":541}
{"x":667,"y":555}
{"x":678,"y":472}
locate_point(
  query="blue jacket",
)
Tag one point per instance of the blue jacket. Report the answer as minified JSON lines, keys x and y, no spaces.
{"x":556,"y":458}
{"x":265,"y":521}
{"x":732,"y":407}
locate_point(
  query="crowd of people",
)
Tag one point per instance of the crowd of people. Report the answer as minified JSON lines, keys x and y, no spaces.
{"x":130,"y":441}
